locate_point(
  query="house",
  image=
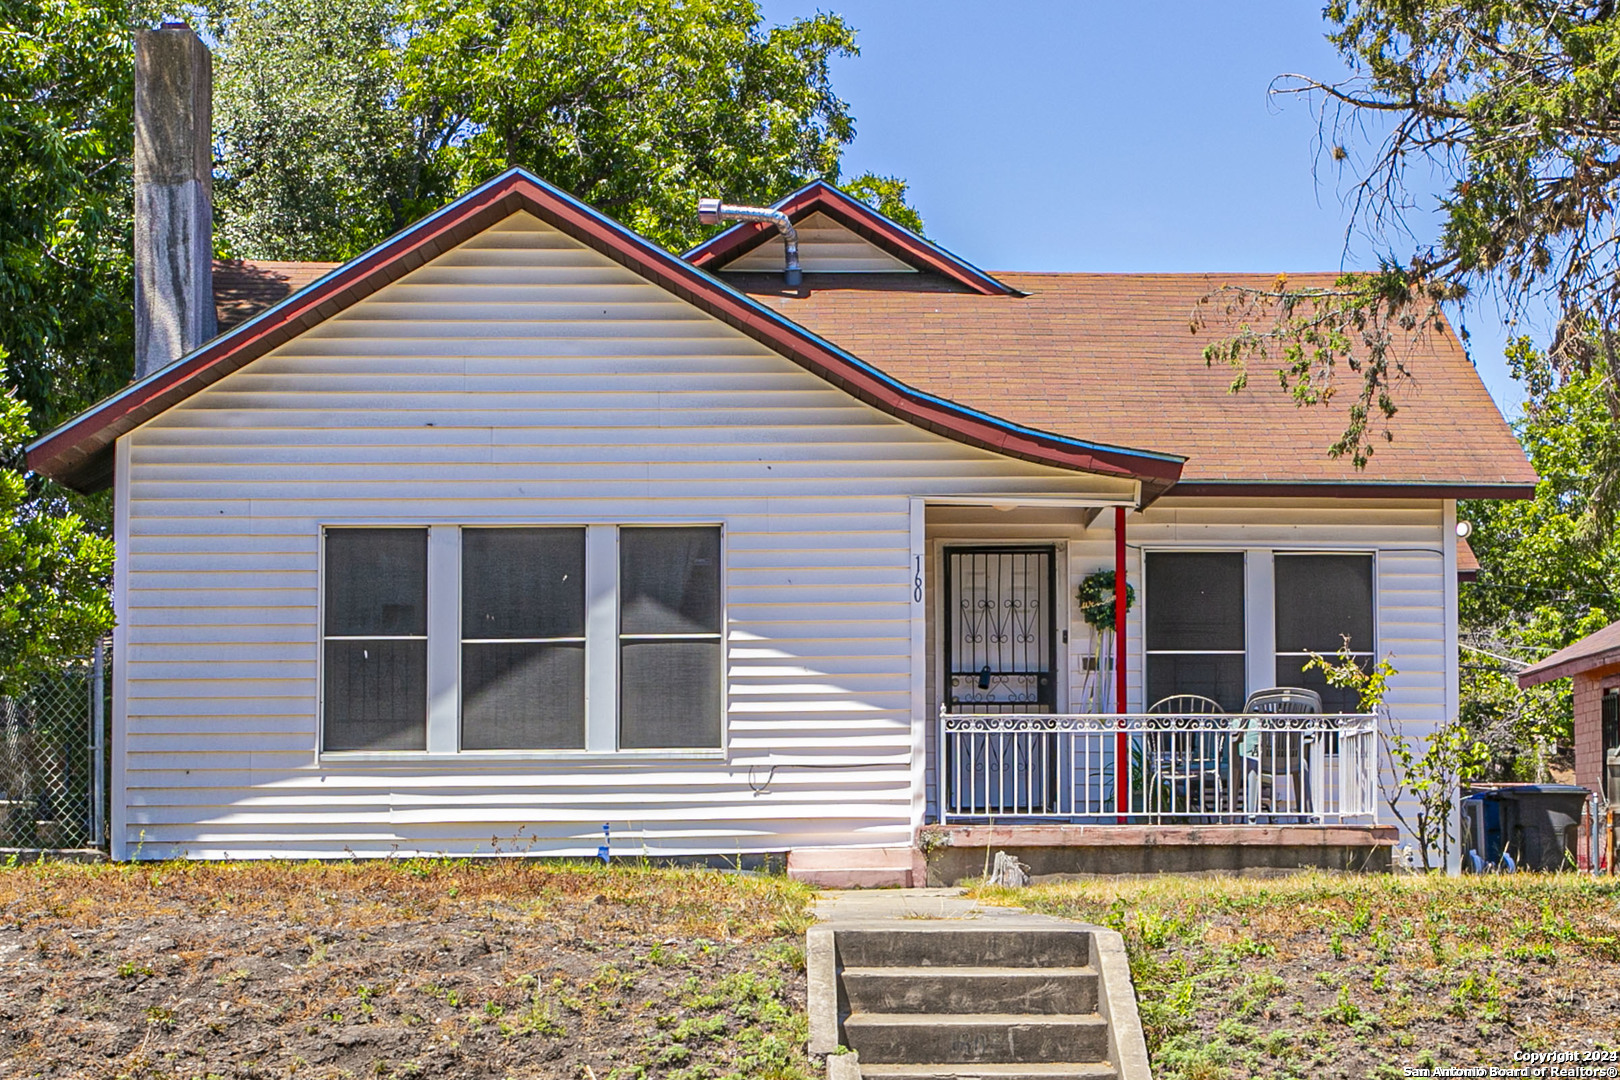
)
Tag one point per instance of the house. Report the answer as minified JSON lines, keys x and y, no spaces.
{"x":517,"y":530}
{"x":1593,"y":663}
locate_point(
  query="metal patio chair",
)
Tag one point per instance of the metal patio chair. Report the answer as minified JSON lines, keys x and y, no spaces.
{"x":1188,"y":765}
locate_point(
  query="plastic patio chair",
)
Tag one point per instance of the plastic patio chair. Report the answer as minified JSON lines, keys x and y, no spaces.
{"x":1268,"y":754}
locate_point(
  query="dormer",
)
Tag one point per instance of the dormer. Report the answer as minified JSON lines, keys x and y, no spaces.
{"x":837,"y":235}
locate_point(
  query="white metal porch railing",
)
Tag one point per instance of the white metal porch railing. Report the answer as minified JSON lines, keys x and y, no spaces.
{"x":1148,"y":768}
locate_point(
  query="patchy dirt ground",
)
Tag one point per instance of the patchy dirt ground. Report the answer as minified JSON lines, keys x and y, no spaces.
{"x":428,"y":969}
{"x":1321,"y":975}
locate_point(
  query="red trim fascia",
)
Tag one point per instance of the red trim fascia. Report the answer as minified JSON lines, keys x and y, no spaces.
{"x":71,"y":448}
{"x":1349,"y":489}
{"x":859,"y":219}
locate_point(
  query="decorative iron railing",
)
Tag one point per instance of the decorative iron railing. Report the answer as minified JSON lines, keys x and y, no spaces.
{"x":1147,"y":768}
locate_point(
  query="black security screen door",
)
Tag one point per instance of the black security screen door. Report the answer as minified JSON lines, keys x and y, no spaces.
{"x":1000,"y":629}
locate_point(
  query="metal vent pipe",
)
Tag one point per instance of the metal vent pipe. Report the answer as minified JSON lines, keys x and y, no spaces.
{"x":713,"y":212}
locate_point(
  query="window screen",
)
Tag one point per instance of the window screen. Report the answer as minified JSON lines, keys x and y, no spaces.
{"x":669,"y":638}
{"x":523,"y":639}
{"x":375,"y":647}
{"x":1321,"y":600}
{"x":1195,"y":630}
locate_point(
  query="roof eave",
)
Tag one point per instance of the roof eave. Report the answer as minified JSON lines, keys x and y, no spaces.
{"x":1370,"y":489}
{"x":1552,"y":668}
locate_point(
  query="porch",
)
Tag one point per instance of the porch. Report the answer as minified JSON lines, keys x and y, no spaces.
{"x":1054,"y":731}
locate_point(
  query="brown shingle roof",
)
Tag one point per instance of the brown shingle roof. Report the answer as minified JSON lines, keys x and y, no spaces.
{"x":243,"y":288}
{"x":1110,"y":357}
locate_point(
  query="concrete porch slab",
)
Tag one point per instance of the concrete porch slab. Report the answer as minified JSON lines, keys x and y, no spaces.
{"x":958,"y":852}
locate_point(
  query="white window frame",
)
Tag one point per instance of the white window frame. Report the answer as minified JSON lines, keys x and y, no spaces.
{"x":1371,"y":554}
{"x":321,"y":638}
{"x":601,"y":649}
{"x":722,"y":636}
{"x":462,"y":641}
{"x":1259,"y":603}
{"x":1247,"y":652}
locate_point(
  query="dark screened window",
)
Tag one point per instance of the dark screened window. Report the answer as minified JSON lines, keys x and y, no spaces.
{"x":522,"y":639}
{"x":669,"y":638}
{"x":375,"y":647}
{"x":1323,"y":601}
{"x":1195,"y":630}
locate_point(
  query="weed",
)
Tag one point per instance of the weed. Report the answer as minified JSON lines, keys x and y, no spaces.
{"x":1247,"y":947}
{"x":1343,"y":1010}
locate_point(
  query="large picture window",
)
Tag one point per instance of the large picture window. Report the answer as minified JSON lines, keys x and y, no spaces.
{"x":450,"y":638}
{"x":1322,"y":600}
{"x":375,"y":646}
{"x":522,"y":639}
{"x":1195,"y":627}
{"x":669,"y":638}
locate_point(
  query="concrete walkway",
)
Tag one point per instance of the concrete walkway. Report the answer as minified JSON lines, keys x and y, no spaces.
{"x":881,"y":905}
{"x":924,"y":909}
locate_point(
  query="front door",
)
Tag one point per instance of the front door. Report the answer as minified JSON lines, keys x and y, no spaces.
{"x":1000,"y":629}
{"x":1000,"y":633}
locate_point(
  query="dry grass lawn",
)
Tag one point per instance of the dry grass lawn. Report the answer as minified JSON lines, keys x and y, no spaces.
{"x":400,"y":968}
{"x":1324,"y":975}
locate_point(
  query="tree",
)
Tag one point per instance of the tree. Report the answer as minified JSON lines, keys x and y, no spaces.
{"x":66,"y":298}
{"x":1549,"y":571}
{"x":1515,"y":104}
{"x":55,"y":571}
{"x":342,"y":122}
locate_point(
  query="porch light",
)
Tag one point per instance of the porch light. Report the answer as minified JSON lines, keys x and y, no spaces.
{"x":1465,"y":529}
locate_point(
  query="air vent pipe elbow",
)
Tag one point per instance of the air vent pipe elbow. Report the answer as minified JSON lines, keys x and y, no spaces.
{"x":713,"y":212}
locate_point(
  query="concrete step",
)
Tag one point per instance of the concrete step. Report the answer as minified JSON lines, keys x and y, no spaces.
{"x":952,"y":945}
{"x":978,"y":989}
{"x":901,"y":1038}
{"x":1054,"y":1070}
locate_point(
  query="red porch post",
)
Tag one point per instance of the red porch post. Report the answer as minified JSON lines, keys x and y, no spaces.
{"x":1122,"y":748}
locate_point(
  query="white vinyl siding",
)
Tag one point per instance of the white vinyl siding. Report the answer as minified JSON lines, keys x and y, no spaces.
{"x":825,"y":247}
{"x":523,"y":379}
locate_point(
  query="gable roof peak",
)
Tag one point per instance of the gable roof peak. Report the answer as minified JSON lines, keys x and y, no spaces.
{"x":889,"y":236}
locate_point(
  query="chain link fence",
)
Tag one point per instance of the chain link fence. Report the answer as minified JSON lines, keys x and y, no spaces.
{"x":53,"y":760}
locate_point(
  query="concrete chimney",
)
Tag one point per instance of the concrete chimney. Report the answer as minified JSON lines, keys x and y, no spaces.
{"x":174,"y":192}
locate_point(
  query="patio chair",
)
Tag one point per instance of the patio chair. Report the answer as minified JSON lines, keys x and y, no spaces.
{"x":1268,"y":754}
{"x":1190,"y":765}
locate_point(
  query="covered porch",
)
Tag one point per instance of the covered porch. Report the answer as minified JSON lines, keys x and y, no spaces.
{"x":1049,"y":739}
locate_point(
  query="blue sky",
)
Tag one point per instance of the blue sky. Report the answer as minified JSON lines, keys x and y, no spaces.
{"x":1090,"y":135}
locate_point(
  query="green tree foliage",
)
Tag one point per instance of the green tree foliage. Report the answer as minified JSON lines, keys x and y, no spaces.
{"x":1515,"y":106}
{"x":55,"y":572}
{"x":66,"y":95}
{"x":342,"y":122}
{"x":1549,"y":571}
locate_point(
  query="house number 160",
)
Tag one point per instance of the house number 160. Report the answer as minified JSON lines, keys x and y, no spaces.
{"x":916,"y":583}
